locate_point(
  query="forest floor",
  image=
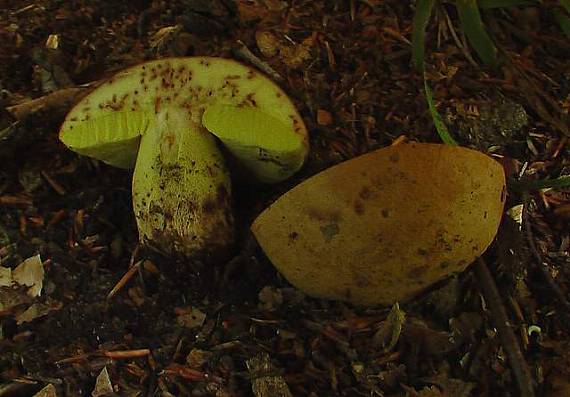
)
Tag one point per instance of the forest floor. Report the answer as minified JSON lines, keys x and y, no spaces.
{"x":174,"y":329}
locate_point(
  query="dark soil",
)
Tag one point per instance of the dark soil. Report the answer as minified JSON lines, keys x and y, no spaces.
{"x":183,"y":329}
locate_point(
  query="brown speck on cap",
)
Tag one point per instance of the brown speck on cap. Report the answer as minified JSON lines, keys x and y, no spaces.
{"x":359,"y":207}
{"x":157,"y":104}
{"x":360,"y":280}
{"x":394,"y":157}
{"x":365,"y":193}
{"x":323,"y":216}
{"x":293,"y":236}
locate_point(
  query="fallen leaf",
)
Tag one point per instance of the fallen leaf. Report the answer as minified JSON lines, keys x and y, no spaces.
{"x":31,"y":274}
{"x":388,"y":333}
{"x":295,"y":55}
{"x":6,"y":279}
{"x":190,"y":317}
{"x":37,"y":310}
{"x":48,"y":391}
{"x":103,"y":385}
{"x":324,"y":117}
{"x":11,"y":298}
{"x":267,"y":43}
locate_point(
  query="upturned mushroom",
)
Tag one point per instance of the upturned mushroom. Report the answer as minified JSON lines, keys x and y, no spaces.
{"x":167,"y":119}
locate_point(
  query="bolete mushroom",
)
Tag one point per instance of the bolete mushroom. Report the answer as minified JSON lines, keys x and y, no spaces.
{"x":166,"y":118}
{"x":384,"y":226}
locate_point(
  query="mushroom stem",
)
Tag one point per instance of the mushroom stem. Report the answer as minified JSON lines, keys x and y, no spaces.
{"x":181,"y":189}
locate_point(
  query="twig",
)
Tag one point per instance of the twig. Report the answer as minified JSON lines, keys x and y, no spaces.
{"x":460,"y":44}
{"x":58,"y":102}
{"x":126,"y":277}
{"x":242,"y":52}
{"x":53,"y":183}
{"x":16,"y":201}
{"x":504,"y":328}
{"x":126,"y":354}
{"x":540,"y":265}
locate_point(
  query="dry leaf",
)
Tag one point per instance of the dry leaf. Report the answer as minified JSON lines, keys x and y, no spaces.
{"x":295,"y":56}
{"x":48,"y":391}
{"x":324,"y":117}
{"x":190,"y":317}
{"x":388,"y":333}
{"x":37,"y":310}
{"x":5,"y":276}
{"x":267,"y":43}
{"x":103,"y":385}
{"x":11,"y":298}
{"x":31,"y":274}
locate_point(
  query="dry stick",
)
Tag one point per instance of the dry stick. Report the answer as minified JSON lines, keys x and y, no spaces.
{"x":123,"y":281}
{"x":554,"y":287}
{"x":127,"y":354}
{"x":32,"y":116}
{"x":459,"y":43}
{"x":58,"y":101}
{"x":504,"y":328}
{"x":242,"y":52}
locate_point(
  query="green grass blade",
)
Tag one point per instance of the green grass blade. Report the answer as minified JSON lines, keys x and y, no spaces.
{"x":421,"y":19}
{"x":486,"y":4}
{"x":560,"y":182}
{"x":563,"y":21}
{"x":475,"y":31}
{"x":440,"y":126}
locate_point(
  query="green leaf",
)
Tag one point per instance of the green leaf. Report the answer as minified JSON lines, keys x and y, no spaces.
{"x":475,"y":31}
{"x":486,"y":4}
{"x":440,"y":126}
{"x":565,"y":4}
{"x":560,"y":182}
{"x":421,"y":19}
{"x":562,"y":20}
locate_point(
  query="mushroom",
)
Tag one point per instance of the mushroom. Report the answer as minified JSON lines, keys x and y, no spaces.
{"x":166,"y":119}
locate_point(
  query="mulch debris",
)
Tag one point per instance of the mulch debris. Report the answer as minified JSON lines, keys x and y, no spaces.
{"x":115,"y":319}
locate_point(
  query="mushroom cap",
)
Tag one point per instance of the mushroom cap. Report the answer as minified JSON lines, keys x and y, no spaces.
{"x":382,"y":227}
{"x":249,"y":113}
